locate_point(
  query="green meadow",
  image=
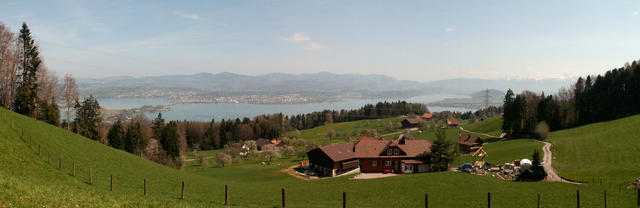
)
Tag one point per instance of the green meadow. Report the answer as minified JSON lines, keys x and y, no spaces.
{"x":27,"y":179}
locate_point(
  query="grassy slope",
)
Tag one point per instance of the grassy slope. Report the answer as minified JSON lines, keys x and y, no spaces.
{"x":26,"y":179}
{"x":608,"y":150}
{"x":319,"y":134}
{"x":491,"y":126}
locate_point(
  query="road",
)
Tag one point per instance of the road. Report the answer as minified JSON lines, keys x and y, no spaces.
{"x":547,"y":160}
{"x":483,"y":134}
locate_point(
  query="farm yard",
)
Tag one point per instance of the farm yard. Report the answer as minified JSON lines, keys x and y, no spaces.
{"x":29,"y":179}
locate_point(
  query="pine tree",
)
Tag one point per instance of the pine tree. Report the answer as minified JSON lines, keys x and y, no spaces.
{"x":88,"y":118}
{"x":442,"y":151}
{"x":133,"y":139}
{"x":26,"y":98}
{"x":157,"y":126}
{"x":170,"y":141}
{"x":116,"y":135}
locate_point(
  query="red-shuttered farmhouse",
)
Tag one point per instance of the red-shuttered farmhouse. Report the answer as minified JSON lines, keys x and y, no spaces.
{"x":372,"y":156}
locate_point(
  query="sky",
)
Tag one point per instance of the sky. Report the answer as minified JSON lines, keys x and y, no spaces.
{"x":409,"y":40}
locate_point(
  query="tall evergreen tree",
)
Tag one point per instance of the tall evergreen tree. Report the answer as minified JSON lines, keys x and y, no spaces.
{"x":442,"y":151}
{"x":26,"y":98}
{"x":170,"y":141}
{"x":116,"y":135}
{"x":133,"y":138}
{"x":88,"y":118}
{"x":157,"y":126}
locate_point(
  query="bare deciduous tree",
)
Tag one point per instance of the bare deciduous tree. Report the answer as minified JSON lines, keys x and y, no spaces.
{"x":8,"y":66}
{"x":69,"y":95}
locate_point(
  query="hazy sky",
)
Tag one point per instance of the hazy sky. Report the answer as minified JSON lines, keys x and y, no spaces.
{"x":414,"y":40}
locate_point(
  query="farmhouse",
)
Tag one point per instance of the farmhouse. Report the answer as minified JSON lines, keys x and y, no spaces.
{"x":396,"y":156}
{"x":333,"y":159}
{"x":372,"y":156}
{"x":411,"y":122}
{"x":427,"y":116}
{"x":467,"y":142}
{"x":260,"y":142}
{"x":452,"y":123}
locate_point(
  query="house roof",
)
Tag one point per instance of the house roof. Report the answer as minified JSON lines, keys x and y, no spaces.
{"x":469,"y":139}
{"x":339,"y":152}
{"x":452,"y":121}
{"x":370,"y":148}
{"x":367,"y":138}
{"x":427,"y":115}
{"x":262,"y":141}
{"x":414,"y":120}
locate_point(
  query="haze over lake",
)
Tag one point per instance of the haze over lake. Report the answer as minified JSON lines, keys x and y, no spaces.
{"x":205,"y":112}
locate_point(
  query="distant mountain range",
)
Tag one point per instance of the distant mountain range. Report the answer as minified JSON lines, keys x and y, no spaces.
{"x":316,"y":85}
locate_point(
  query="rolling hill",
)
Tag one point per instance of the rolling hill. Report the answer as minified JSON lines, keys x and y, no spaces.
{"x":28,"y":180}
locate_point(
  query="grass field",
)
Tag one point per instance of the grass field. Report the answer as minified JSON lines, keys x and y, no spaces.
{"x":28,"y":180}
{"x":491,"y":126}
{"x":319,"y":134}
{"x":606,"y":150}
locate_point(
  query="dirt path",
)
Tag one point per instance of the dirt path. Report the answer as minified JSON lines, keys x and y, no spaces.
{"x":547,"y":160}
{"x":483,"y":134}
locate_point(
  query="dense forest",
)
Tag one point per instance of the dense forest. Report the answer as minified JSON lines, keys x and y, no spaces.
{"x":614,"y":95}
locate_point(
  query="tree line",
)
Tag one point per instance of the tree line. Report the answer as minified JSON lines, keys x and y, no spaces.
{"x":26,"y":85}
{"x":613,"y":95}
{"x":193,"y":135}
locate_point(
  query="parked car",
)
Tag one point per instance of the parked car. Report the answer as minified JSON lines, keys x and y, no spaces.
{"x":465,"y":167}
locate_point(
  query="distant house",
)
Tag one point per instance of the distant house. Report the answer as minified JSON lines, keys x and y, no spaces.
{"x":427,"y":116}
{"x":260,"y":142}
{"x":411,"y":122}
{"x":334,"y":159}
{"x":452,"y":123}
{"x":467,"y":142}
{"x":372,"y":156}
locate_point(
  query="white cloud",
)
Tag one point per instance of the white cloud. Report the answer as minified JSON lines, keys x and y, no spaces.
{"x":449,"y":29}
{"x":296,"y":37}
{"x":635,"y":13}
{"x":300,"y":37}
{"x":191,"y":16}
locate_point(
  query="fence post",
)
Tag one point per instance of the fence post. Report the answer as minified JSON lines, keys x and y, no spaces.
{"x":145,"y":186}
{"x":605,"y":198}
{"x":284,"y":199}
{"x":426,"y":200}
{"x":578,"y":198}
{"x":226,"y":194}
{"x":489,"y":199}
{"x":90,"y":177}
{"x":74,"y":169}
{"x":538,"y":200}
{"x":182,"y":194}
{"x":344,"y":199}
{"x":111,"y":182}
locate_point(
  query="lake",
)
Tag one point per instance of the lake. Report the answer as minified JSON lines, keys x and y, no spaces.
{"x":205,"y":112}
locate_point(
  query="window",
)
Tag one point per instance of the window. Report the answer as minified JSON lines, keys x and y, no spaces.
{"x":387,"y":163}
{"x":374,"y":163}
{"x":396,"y":151}
{"x":389,"y":152}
